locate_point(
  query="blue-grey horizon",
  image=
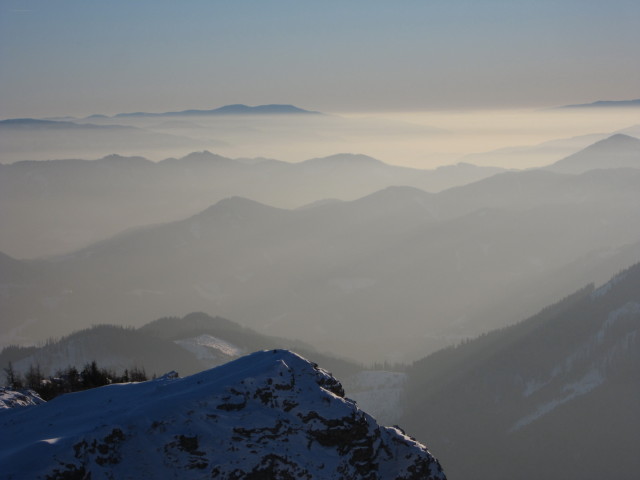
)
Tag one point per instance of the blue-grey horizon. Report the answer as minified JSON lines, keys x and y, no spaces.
{"x":81,"y":58}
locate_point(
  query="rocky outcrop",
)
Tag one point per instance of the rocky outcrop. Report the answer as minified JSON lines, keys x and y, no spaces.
{"x":23,"y":398}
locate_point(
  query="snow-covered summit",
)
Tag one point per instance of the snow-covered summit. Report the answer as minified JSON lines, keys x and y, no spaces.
{"x":271,"y":414}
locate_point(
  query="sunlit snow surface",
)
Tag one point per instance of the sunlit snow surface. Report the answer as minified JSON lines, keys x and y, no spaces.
{"x":208,"y":347}
{"x":270,"y":413}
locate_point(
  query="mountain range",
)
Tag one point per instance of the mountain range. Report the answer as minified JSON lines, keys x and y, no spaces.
{"x":45,"y":207}
{"x":411,"y":271}
{"x":238,"y":131}
{"x":271,"y":414}
{"x":53,"y":207}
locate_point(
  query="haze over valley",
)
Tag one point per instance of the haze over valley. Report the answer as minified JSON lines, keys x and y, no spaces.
{"x":444,"y":266}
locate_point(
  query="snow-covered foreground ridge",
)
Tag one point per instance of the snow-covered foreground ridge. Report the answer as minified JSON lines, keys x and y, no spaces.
{"x":271,"y":414}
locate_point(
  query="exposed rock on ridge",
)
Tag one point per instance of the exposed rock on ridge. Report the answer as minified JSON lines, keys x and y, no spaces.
{"x":13,"y":399}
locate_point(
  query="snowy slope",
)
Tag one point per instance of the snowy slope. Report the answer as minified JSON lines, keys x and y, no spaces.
{"x":212,"y":351}
{"x":271,"y":414}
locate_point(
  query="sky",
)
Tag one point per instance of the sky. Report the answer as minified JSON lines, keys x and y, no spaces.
{"x":71,"y":57}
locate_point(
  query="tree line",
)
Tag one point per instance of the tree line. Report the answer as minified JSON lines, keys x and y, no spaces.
{"x":69,"y":379}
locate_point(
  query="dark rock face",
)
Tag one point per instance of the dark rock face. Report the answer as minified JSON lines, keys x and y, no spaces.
{"x":270,"y":415}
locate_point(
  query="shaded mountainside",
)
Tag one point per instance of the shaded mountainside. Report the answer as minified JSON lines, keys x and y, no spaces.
{"x":271,"y":414}
{"x":559,"y":386}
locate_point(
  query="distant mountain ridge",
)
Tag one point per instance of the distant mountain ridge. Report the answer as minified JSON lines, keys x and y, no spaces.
{"x":607,"y":104}
{"x":131,"y":191}
{"x":236,"y":109}
{"x":68,"y":135}
{"x":35,"y":124}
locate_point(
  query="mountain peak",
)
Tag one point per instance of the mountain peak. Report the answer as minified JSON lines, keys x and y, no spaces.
{"x":204,"y":156}
{"x":397,"y":194}
{"x":271,"y":414}
{"x":616,"y":151}
{"x":237,"y":207}
{"x":273,"y":109}
{"x":616,"y":140}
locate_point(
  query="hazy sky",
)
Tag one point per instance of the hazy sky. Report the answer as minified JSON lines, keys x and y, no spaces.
{"x":82,"y":57}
